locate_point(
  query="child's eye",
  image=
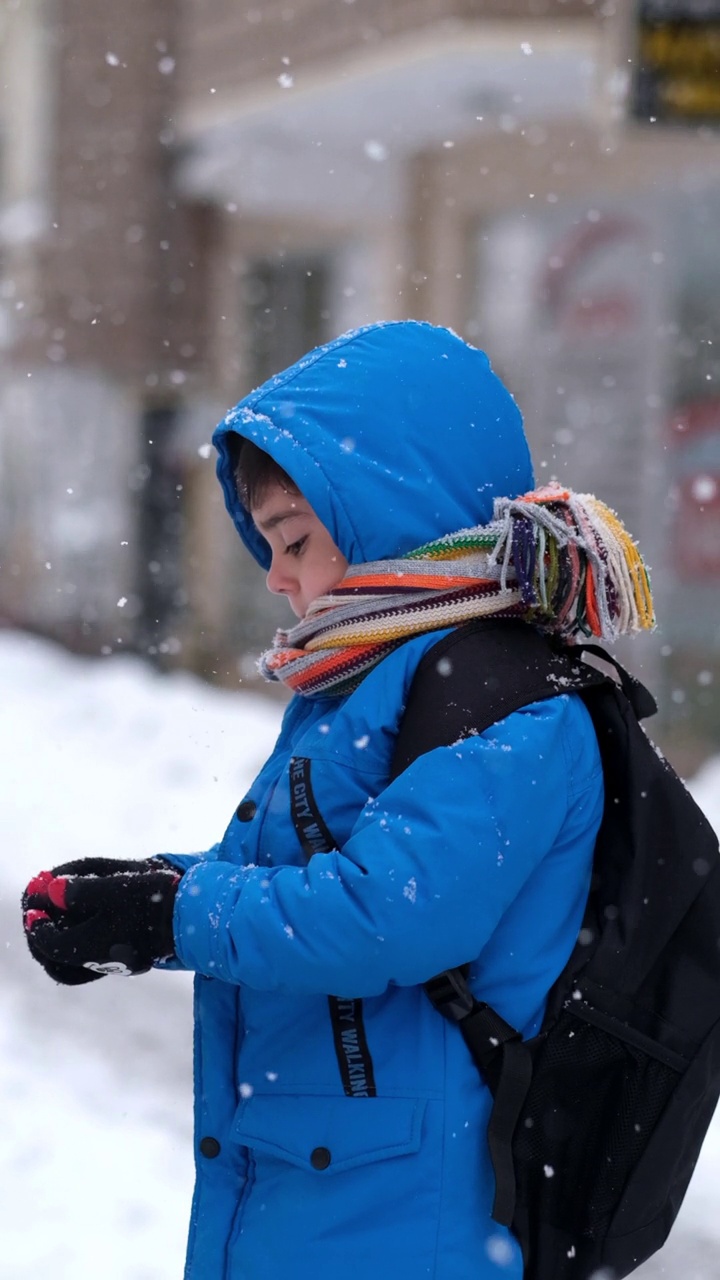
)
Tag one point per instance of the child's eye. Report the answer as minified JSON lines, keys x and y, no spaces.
{"x":294,"y":548}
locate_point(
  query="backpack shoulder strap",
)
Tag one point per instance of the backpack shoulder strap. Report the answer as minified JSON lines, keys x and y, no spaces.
{"x":473,"y":677}
{"x":479,"y":674}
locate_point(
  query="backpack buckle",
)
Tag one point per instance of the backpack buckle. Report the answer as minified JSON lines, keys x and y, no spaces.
{"x":450,"y":994}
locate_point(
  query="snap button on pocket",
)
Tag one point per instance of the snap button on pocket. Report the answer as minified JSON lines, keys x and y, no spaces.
{"x":209,"y":1147}
{"x":246,"y":810}
{"x":301,"y":1129}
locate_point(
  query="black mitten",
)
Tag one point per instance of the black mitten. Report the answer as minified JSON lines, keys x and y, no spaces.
{"x":96,"y":916}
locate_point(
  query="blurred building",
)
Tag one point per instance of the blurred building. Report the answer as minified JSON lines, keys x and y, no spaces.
{"x":192,"y":194}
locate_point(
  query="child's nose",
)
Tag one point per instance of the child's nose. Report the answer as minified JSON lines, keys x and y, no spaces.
{"x":279,"y":579}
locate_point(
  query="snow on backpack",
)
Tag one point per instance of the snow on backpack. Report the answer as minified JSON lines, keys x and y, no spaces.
{"x":613,"y":1097}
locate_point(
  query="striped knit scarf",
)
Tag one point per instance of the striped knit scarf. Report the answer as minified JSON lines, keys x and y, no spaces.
{"x":559,"y":560}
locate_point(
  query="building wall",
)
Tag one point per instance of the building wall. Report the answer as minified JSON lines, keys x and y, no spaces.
{"x":107,"y":298}
{"x":231,"y":45}
{"x":103,"y":279}
{"x":69,"y":472}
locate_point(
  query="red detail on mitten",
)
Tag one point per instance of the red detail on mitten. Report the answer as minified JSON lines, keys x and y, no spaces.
{"x":56,"y":892}
{"x":39,"y":883}
{"x":31,"y":917}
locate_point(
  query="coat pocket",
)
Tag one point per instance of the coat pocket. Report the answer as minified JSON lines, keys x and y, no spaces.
{"x":324,"y":1136}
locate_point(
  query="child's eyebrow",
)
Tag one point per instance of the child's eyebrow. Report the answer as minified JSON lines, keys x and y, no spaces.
{"x":273,"y":521}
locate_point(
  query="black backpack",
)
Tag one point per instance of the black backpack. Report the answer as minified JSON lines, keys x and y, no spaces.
{"x":598,"y":1121}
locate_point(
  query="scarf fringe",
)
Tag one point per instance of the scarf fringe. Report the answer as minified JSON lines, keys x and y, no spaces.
{"x":578,"y":570}
{"x":559,"y":560}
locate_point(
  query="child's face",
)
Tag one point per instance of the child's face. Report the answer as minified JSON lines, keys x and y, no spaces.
{"x":305,"y":561}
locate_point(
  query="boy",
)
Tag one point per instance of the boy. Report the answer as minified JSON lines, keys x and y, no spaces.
{"x":340,"y":1122}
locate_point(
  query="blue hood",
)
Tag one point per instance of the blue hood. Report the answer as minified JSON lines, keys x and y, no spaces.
{"x":395,"y":434}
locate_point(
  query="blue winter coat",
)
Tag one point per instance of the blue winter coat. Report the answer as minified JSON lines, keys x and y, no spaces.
{"x":347,"y":1137}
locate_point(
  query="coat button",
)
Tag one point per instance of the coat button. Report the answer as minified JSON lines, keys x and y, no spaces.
{"x":209,"y":1147}
{"x":246,"y":810}
{"x":320,"y":1158}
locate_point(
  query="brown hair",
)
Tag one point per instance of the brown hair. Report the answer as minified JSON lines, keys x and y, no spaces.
{"x":255,"y":471}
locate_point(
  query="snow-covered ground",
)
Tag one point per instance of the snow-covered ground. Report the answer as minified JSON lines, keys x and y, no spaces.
{"x":95,"y":1140}
{"x":95,"y":1160}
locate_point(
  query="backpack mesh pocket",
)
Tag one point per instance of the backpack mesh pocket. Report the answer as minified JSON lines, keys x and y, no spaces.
{"x":591,"y":1109}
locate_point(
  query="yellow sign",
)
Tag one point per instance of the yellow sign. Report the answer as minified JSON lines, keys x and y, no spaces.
{"x":678,"y":77}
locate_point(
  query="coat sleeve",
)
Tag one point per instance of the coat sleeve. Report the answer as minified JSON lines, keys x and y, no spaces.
{"x":184,"y":861}
{"x":430,"y":867}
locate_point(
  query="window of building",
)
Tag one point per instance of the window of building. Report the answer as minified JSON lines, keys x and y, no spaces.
{"x":285,"y":303}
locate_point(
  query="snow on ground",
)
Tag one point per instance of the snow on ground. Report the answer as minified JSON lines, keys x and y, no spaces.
{"x":95,"y":1145}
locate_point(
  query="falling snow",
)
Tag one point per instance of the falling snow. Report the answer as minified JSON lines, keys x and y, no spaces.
{"x":375,"y":150}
